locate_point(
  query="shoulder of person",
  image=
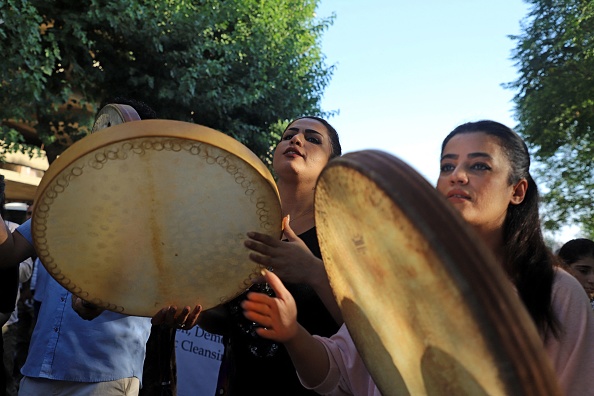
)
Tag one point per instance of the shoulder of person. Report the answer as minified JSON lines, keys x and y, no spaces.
{"x":568,"y":292}
{"x":564,"y":279}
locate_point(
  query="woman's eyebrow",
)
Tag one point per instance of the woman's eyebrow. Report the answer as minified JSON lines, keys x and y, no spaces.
{"x":450,"y":156}
{"x":479,"y":155}
{"x":471,"y":155}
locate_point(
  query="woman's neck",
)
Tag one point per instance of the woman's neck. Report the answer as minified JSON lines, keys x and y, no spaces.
{"x":298,"y":202}
{"x":493,"y":238}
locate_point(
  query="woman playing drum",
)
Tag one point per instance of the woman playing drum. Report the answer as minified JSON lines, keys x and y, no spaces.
{"x":305,"y":148}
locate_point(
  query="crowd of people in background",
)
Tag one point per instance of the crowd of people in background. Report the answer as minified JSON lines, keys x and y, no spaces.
{"x":287,"y":336}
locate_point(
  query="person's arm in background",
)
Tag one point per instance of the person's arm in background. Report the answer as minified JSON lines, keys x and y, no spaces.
{"x":14,"y":248}
{"x":278,"y":318}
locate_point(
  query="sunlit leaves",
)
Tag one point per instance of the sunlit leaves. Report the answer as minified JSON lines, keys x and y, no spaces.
{"x":239,"y":66}
{"x":554,"y":103}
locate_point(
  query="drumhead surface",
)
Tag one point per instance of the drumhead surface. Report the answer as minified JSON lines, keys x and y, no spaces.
{"x":428,"y":308}
{"x":147,"y":214}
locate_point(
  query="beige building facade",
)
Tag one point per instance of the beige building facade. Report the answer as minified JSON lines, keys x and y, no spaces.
{"x":22,"y":175}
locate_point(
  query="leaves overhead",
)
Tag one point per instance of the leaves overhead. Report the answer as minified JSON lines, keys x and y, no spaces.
{"x":555,"y":104}
{"x":238,"y":66}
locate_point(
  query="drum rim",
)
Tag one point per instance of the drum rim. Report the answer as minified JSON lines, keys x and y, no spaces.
{"x":152,"y":128}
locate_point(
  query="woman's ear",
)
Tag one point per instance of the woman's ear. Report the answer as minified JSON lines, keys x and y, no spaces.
{"x":519,"y":192}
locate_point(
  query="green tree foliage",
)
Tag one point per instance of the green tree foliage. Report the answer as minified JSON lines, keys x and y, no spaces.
{"x":242,"y":67}
{"x":555,"y":105}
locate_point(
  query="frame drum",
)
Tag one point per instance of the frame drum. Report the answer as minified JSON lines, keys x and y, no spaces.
{"x":146,"y":214}
{"x":429,"y":309}
{"x":114,"y":114}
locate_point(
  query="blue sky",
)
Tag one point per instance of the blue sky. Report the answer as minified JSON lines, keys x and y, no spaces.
{"x":408,"y":72}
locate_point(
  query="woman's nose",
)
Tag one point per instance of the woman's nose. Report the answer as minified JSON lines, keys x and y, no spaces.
{"x":458,"y":176}
{"x":297,"y":139}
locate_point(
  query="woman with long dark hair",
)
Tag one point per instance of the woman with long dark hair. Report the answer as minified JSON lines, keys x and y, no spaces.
{"x":485,"y":175}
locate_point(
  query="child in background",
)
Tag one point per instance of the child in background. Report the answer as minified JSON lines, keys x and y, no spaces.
{"x":578,"y":257}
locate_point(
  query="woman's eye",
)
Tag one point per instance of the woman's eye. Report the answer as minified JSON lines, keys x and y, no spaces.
{"x":480,"y":166}
{"x":313,"y":140}
{"x":446,"y":168}
{"x":288,"y":136}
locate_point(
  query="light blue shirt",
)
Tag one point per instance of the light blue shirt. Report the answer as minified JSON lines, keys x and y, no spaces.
{"x":66,"y":347}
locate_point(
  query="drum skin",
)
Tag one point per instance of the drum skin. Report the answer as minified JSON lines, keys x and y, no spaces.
{"x":427,"y":306}
{"x":152,"y":213}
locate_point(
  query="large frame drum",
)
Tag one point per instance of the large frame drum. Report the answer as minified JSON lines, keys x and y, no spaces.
{"x":428,"y":308}
{"x":151,"y":213}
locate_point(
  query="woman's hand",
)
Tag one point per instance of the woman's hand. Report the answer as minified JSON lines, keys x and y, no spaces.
{"x":277,"y":315}
{"x":278,"y":318}
{"x":179,"y":319}
{"x":292,"y":261}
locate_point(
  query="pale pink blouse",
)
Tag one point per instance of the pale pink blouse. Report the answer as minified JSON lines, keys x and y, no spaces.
{"x":348,"y":375}
{"x":572,"y":354}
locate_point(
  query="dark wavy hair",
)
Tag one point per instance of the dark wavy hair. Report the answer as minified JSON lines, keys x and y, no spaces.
{"x":334,"y":140}
{"x":575,"y":250}
{"x":528,"y":261}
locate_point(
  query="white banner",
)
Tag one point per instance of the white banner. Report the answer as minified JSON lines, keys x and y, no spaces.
{"x":198,"y":357}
